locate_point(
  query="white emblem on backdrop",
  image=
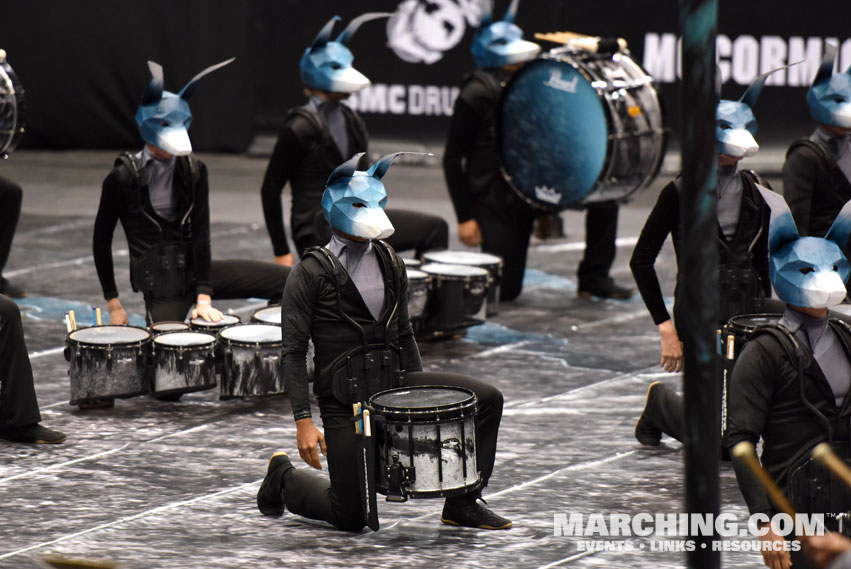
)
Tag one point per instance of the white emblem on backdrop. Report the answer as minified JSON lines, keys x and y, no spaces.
{"x":420,"y":31}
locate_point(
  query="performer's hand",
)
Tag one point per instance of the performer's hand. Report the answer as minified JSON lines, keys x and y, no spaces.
{"x":672,"y":349}
{"x":823,"y":549}
{"x":285,"y":260}
{"x":780,"y":559}
{"x":469,"y":233}
{"x":310,"y":440}
{"x":116,"y":312}
{"x":204,"y":309}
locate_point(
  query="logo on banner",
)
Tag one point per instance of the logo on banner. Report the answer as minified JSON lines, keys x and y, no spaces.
{"x":556,"y":81}
{"x":421,"y":31}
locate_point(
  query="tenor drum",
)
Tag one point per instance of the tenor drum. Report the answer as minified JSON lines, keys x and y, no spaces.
{"x":576,"y":128}
{"x":214,"y":327}
{"x":426,"y":442}
{"x":268,"y":315}
{"x":184,"y":361}
{"x":457,"y":297}
{"x":12,"y":109}
{"x":168,"y":326}
{"x":252,"y":358}
{"x":412,"y":263}
{"x":107,"y":362}
{"x":491,"y":263}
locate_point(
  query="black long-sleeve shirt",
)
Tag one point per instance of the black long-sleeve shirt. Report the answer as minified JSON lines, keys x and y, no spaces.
{"x":122,"y":199}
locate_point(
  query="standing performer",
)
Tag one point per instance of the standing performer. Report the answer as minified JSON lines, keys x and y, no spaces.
{"x":742,"y":240}
{"x":11,"y":196}
{"x":161,"y":197}
{"x":792,"y":382}
{"x":19,"y":415}
{"x":315,"y":139}
{"x":351,"y":292}
{"x":489,"y":213}
{"x":817,"y":172}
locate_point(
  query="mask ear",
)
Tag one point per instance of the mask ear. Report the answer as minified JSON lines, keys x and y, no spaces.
{"x":828,"y":60}
{"x":325,"y":33}
{"x":781,"y":229}
{"x":841,"y":228}
{"x":190,"y":87}
{"x":346,"y":169}
{"x":755,"y":88}
{"x":154,"y":91}
{"x":355,"y":24}
{"x":380,"y":168}
{"x":511,"y":12}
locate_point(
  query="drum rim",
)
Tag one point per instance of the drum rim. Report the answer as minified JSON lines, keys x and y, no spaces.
{"x":160,"y":344}
{"x":469,"y":402}
{"x":171,"y":323}
{"x":497,"y":260}
{"x":484,"y":272}
{"x":232,"y":341}
{"x":70,"y":336}
{"x":735,"y":321}
{"x":202,"y":322}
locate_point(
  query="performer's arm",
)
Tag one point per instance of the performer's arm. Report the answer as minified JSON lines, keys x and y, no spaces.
{"x":109,"y":212}
{"x":201,"y":257}
{"x":462,"y":132}
{"x":288,"y":153}
{"x":748,"y":404}
{"x":800,"y":176}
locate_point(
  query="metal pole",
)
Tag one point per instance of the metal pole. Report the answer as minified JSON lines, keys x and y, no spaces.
{"x":698,"y":289}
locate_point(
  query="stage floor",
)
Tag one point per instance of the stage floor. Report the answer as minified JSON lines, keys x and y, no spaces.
{"x":156,"y":484}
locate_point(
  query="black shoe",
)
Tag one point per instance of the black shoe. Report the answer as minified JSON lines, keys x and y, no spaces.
{"x":645,"y":432}
{"x":270,"y":497}
{"x":96,"y":404}
{"x":467,"y":511}
{"x":606,"y":290}
{"x":32,"y":434}
{"x":11,"y":290}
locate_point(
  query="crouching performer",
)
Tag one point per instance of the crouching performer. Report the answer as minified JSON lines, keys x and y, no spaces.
{"x":350,"y":298}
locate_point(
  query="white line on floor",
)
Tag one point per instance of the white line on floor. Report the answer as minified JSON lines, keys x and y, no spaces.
{"x":55,"y":228}
{"x":126,"y":519}
{"x":48,"y":352}
{"x":580,"y":245}
{"x":568,"y":559}
{"x":500,"y":349}
{"x":622,"y":317}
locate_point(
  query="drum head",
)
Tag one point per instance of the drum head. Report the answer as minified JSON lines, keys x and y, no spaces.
{"x":553,"y":134}
{"x":189,"y":338}
{"x":412,"y":263}
{"x":268,"y":315}
{"x":471,"y":258}
{"x":252,"y":333}
{"x":425,"y":398}
{"x":227,"y":320}
{"x":109,"y":335}
{"x":169,"y":326}
{"x":453,"y":270}
{"x":415,"y":275}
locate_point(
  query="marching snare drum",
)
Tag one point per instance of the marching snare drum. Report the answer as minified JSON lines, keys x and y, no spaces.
{"x":268,"y":315}
{"x":740,"y":328}
{"x":108,"y":362}
{"x":457,"y":297}
{"x":491,"y":263}
{"x":214,"y":327}
{"x":12,"y":109}
{"x":576,"y":128}
{"x":252,"y":358}
{"x":183,"y":361}
{"x":417,"y":298}
{"x":168,"y":326}
{"x":426,"y":442}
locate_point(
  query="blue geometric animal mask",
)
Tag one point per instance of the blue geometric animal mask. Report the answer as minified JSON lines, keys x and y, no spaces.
{"x":354,"y":200}
{"x":164,"y":117}
{"x":829,"y":98}
{"x":327,"y":64}
{"x":806,"y":271}
{"x":498,"y":44}
{"x":735,"y":123}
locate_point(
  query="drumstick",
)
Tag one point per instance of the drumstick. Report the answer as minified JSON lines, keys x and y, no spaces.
{"x":98,"y":316}
{"x":67,"y":323}
{"x":94,"y":316}
{"x":590,"y":44}
{"x":356,"y":412}
{"x":746,"y":453}
{"x":367,"y":428}
{"x":731,"y":347}
{"x":73,"y":320}
{"x":827,"y":458}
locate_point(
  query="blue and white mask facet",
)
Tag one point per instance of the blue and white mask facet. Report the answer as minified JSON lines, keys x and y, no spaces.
{"x":164,"y":117}
{"x":829,"y":98}
{"x":810,"y":272}
{"x":498,"y":44}
{"x":327,"y":64}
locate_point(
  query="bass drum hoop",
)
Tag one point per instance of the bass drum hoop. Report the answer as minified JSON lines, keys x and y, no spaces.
{"x":14,"y":89}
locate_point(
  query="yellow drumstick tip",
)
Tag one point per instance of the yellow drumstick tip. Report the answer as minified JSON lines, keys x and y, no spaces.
{"x":821,"y":451}
{"x":743,"y":449}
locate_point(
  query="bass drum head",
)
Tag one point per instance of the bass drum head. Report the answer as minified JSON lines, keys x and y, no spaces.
{"x":556,"y":167}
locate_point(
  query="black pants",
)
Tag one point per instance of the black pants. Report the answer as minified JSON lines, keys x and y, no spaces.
{"x":11,"y":196}
{"x":601,"y":227}
{"x":419,"y":232}
{"x":18,"y":403}
{"x":506,"y":232}
{"x":231,"y":279}
{"x":337,"y":499}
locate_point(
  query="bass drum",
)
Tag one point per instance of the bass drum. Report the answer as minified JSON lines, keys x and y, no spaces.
{"x":12,"y":108}
{"x":576,"y":128}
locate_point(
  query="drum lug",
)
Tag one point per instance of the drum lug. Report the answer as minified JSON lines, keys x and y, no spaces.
{"x":109,"y":358}
{"x":180,"y":364}
{"x":399,"y":478}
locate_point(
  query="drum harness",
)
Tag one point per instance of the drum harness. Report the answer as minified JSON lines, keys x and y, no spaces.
{"x":164,"y":270}
{"x":811,"y":487}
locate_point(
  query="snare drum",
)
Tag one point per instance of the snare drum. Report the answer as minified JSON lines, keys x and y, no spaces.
{"x":457,"y":297}
{"x":740,"y":328}
{"x":107,"y":362}
{"x":491,"y":263}
{"x":168,"y":326}
{"x":412,"y":263}
{"x":427,"y":440}
{"x":184,"y":361}
{"x":268,"y":315}
{"x":252,"y":360}
{"x":417,"y":298}
{"x":575,"y":128}
{"x":214,"y":327}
